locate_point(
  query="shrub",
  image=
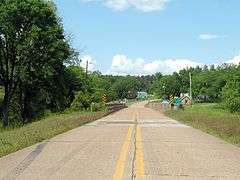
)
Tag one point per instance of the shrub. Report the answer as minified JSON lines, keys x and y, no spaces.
{"x":232,"y":104}
{"x":82,"y":101}
{"x":98,"y":107}
{"x":97,"y":96}
{"x":231,"y":95}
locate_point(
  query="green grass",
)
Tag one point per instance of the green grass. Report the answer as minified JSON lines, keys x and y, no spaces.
{"x":15,"y":139}
{"x":212,"y":119}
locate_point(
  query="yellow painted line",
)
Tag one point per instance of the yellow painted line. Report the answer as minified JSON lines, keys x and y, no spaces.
{"x":139,"y":163}
{"x":123,"y":156}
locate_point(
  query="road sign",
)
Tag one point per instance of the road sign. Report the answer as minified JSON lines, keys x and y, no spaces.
{"x":177,"y":101}
{"x":171,"y":98}
{"x":104,"y":98}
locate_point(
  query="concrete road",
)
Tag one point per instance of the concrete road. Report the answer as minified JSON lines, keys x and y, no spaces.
{"x":135,"y":143}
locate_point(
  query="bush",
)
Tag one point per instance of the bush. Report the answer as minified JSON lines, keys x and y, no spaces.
{"x":233,"y":105}
{"x":98,"y":107}
{"x":231,"y":95}
{"x":82,"y":101}
{"x":85,"y":101}
{"x":97,"y":96}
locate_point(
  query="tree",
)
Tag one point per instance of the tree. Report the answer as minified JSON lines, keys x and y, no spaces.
{"x":32,"y":46}
{"x":167,"y":85}
{"x":75,"y":79}
{"x":231,"y":94}
{"x":126,"y":87}
{"x":146,"y":81}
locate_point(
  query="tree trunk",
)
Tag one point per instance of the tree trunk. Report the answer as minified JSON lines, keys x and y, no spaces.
{"x":5,"y":116}
{"x":22,"y":101}
{"x":25,"y":110}
{"x":6,"y":108}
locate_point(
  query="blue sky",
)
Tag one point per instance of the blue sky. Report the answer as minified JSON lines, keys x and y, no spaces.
{"x":146,"y":36}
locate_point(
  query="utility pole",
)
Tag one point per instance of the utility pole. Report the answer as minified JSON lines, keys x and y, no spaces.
{"x":190,"y":79}
{"x":87,"y":68}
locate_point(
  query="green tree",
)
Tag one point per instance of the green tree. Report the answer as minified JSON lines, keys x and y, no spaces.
{"x":75,"y":79}
{"x":231,"y":93}
{"x":167,"y":85}
{"x":32,"y":46}
{"x":127,"y":87}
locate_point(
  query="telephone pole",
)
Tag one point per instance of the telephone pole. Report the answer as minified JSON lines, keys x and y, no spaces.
{"x":190,"y":82}
{"x":87,"y":68}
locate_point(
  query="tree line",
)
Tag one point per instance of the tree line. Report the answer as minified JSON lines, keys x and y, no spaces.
{"x":39,"y":70}
{"x":219,"y":84}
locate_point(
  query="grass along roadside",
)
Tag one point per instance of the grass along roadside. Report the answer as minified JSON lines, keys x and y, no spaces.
{"x":12,"y":140}
{"x":211,"y":119}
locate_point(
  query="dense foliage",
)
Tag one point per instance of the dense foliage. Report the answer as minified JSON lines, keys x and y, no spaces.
{"x":32,"y":51}
{"x":40,"y":72}
{"x":209,"y":84}
{"x":231,"y":93}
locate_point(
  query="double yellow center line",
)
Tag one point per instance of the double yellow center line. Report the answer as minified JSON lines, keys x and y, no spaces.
{"x":139,"y":163}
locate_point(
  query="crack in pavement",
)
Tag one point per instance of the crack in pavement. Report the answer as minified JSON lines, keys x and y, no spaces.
{"x":134,"y":153}
{"x":135,"y":147}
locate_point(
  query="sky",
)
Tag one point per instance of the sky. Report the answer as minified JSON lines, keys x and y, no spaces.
{"x":139,"y":37}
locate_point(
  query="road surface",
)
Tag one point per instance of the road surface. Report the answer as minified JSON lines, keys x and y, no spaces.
{"x":134,"y":143}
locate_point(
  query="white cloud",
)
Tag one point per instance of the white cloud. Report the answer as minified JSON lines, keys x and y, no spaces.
{"x":118,"y":5}
{"x":90,"y":60}
{"x":235,"y":60}
{"x":142,"y":5}
{"x":122,"y":65}
{"x":148,"y":5}
{"x":210,"y":36}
